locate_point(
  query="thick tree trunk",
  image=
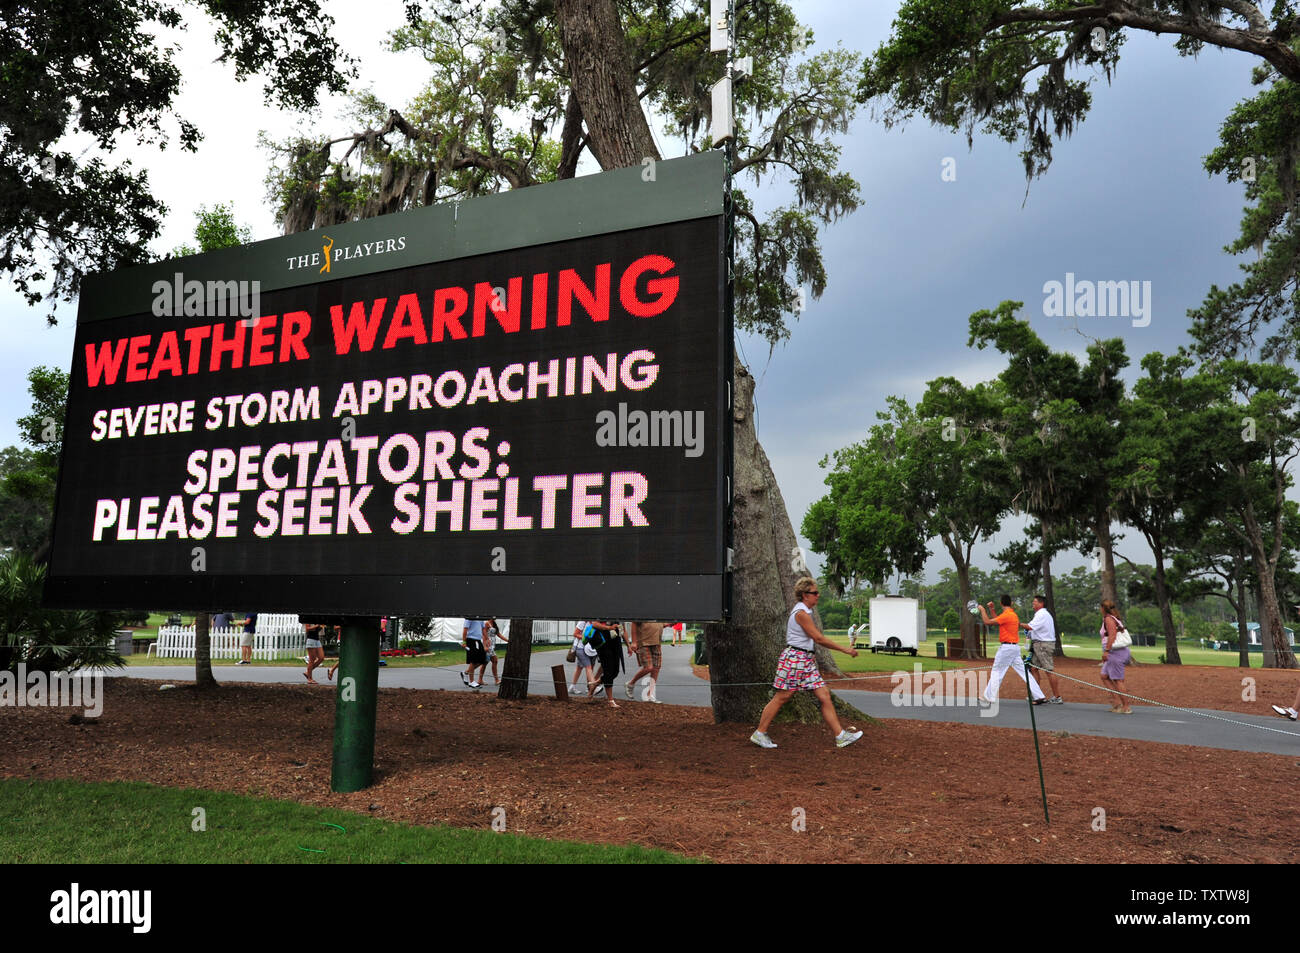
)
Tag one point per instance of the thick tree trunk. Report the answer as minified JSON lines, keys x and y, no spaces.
{"x":743,"y":652}
{"x":1166,"y":612}
{"x":969,"y":623}
{"x":1272,"y":634}
{"x":519,"y":656}
{"x":203,"y":652}
{"x":604,"y":84}
{"x":1243,"y":634}
{"x":1101,"y":526}
{"x":1049,"y":596}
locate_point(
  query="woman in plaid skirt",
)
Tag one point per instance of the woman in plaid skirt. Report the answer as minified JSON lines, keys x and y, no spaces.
{"x":797,"y":671}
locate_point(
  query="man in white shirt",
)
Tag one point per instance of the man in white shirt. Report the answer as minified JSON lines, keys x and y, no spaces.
{"x":1042,"y":639}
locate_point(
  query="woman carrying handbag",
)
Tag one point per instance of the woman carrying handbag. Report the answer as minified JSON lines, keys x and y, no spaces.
{"x":1115,"y":655}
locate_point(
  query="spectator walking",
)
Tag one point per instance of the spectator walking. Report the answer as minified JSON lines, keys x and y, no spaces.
{"x":1292,"y":711}
{"x":491,"y":634}
{"x":471,"y":637}
{"x":246,"y":640}
{"x":797,"y":671}
{"x":1042,"y":641}
{"x":582,"y":659}
{"x":338,"y":637}
{"x":1115,"y":641}
{"x":607,"y":639}
{"x":1008,"y":656}
{"x":647,"y":639}
{"x":315,"y":649}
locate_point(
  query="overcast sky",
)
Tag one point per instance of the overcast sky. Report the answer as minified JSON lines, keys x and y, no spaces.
{"x":1126,"y":198}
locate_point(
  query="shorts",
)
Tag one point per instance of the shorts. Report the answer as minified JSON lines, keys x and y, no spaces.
{"x":797,"y":671}
{"x":650,"y":656}
{"x":1042,"y":655}
{"x":581,"y":658}
{"x":474,"y":654}
{"x":1113,"y":667}
{"x":246,"y":640}
{"x":315,"y":644}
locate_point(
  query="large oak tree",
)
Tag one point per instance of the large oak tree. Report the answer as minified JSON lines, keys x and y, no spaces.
{"x":520,"y":92}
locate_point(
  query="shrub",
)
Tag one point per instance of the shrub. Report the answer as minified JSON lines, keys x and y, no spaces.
{"x":48,"y":640}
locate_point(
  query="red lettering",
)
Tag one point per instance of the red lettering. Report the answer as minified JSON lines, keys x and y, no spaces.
{"x":539,"y":300}
{"x":407,"y":322}
{"x":449,"y":304}
{"x":664,"y":289}
{"x":357,"y":326}
{"x":595,"y":303}
{"x":235,"y":347}
{"x":263,"y":337}
{"x":168,"y":357}
{"x":507,"y":316}
{"x":194,"y":337}
{"x":105,"y":362}
{"x":294,"y":330}
{"x":137,"y":358}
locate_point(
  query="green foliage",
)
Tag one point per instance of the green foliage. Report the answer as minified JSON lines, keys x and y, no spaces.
{"x":48,"y":639}
{"x":216,"y":228}
{"x":932,"y":471}
{"x":493,"y":113}
{"x":28,"y":476}
{"x":835,"y":614}
{"x":951,"y":620}
{"x":98,"y":70}
{"x":991,"y":65}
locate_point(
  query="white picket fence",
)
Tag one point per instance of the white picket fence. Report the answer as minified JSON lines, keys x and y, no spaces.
{"x":276,"y":638}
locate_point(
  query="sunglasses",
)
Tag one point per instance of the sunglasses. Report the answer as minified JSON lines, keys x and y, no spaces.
{"x":813,"y":592}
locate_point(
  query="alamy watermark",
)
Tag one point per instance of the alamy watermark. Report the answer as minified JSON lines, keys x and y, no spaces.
{"x":199,"y":299}
{"x":26,"y":689}
{"x":1098,"y":299}
{"x":653,"y":428}
{"x":954,"y":688}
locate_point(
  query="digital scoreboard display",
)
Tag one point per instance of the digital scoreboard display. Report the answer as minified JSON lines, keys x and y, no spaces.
{"x":413,"y":415}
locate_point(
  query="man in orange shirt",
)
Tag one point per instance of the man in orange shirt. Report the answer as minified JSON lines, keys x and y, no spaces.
{"x":1008,"y":656}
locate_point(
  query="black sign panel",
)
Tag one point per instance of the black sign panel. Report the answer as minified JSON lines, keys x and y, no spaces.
{"x":539,"y":431}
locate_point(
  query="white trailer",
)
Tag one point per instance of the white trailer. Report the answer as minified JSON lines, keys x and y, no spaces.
{"x":897,"y":624}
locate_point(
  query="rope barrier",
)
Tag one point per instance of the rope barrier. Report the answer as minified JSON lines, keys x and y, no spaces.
{"x":449,"y":669}
{"x":1160,"y":704}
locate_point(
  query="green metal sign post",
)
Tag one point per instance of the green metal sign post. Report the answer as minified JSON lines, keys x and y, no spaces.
{"x":355,"y":703}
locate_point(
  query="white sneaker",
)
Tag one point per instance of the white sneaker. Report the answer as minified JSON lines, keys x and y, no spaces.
{"x":627,"y":690}
{"x":762,"y":740}
{"x":846,"y":738}
{"x":1285,"y":712}
{"x":647,"y":690}
{"x":464,"y":678}
{"x":475,"y":685}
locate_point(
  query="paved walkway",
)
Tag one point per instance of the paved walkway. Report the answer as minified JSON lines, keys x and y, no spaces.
{"x":679,"y":686}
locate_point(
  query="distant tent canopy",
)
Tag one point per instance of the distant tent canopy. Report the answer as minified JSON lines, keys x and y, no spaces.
{"x":1252,"y":635}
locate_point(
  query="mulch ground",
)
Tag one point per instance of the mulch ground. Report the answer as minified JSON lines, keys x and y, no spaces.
{"x":668,"y":777}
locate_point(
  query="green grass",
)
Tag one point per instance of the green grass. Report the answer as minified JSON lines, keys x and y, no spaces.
{"x":63,"y":822}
